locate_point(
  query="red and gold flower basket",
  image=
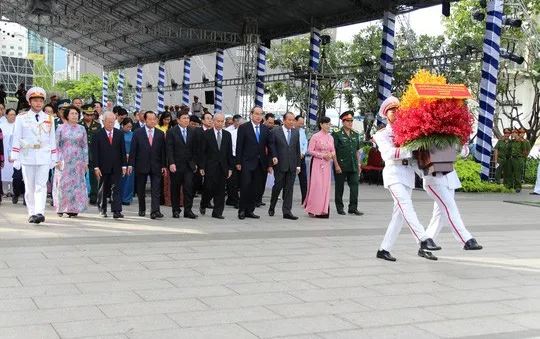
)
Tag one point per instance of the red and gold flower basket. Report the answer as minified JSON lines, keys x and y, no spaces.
{"x":434,"y":120}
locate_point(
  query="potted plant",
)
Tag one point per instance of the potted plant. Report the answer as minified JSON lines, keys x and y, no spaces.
{"x":434,"y":120}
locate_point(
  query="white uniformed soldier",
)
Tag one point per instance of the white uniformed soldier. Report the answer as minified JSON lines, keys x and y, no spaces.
{"x":34,"y":149}
{"x":441,"y":188}
{"x":398,"y":177}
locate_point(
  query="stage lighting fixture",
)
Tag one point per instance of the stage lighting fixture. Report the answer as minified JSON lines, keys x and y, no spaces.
{"x":204,"y":79}
{"x":174,"y":84}
{"x":325,"y":39}
{"x":478,"y":15}
{"x":446,"y":8}
{"x":518,"y":59}
{"x":149,"y":86}
{"x":512,"y":22}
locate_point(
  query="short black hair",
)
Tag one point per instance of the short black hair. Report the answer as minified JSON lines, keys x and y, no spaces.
{"x":298,"y":117}
{"x":324,"y":120}
{"x":127,"y":121}
{"x":194,"y":118}
{"x":277,"y":122}
{"x":149,"y":112}
{"x":288,"y":113}
{"x":123,"y":111}
{"x":236,"y":117}
{"x":99,"y":103}
{"x":65,"y":112}
{"x":116,"y":109}
{"x":182,"y":113}
{"x":269,"y":115}
{"x":203,"y":116}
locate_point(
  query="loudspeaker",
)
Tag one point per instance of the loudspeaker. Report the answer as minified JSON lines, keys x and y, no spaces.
{"x":209,"y":97}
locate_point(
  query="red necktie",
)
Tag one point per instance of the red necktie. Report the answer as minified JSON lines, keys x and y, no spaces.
{"x":150,"y":137}
{"x":110,"y":138}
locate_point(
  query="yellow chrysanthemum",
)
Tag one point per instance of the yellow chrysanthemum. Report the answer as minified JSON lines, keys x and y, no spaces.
{"x":410,"y":98}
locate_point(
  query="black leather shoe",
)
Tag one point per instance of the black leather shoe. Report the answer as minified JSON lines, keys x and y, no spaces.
{"x":158,"y":214}
{"x":532,"y":193}
{"x":103,"y":214}
{"x":218,"y":217}
{"x":472,"y":245}
{"x":72,"y":215}
{"x":60,"y":214}
{"x":429,"y":245}
{"x":241,"y":215}
{"x":262,"y":204}
{"x":202,"y":210}
{"x":142,"y":213}
{"x":40,"y":218}
{"x":290,"y":217}
{"x":153,"y":215}
{"x":14,"y":199}
{"x":176,"y":214}
{"x":426,"y":254}
{"x":382,"y":254}
{"x":32,"y":219}
{"x":341,"y":212}
{"x":117,"y":215}
{"x":356,"y":212}
{"x":271,"y":212}
{"x":190,"y":215}
{"x":252,"y":216}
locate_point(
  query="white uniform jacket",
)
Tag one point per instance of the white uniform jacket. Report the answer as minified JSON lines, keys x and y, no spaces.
{"x":34,"y":142}
{"x":394,"y":171}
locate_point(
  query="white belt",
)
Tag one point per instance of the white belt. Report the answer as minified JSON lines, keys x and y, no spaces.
{"x":398,"y":162}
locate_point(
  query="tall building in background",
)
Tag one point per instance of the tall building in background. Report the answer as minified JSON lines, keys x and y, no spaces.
{"x":13,"y":40}
{"x":40,"y":45}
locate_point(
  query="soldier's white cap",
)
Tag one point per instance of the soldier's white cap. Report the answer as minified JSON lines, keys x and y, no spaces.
{"x":390,"y":102}
{"x":35,"y":92}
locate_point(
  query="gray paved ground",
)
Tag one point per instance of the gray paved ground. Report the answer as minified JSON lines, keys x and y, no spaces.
{"x":271,"y":278}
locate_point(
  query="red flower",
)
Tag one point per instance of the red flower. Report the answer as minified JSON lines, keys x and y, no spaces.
{"x":445,"y":116}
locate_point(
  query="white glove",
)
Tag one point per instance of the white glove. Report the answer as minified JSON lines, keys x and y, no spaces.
{"x":17,"y":165}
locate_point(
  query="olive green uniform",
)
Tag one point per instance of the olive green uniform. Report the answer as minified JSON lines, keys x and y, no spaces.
{"x":94,"y":128}
{"x":502,"y":154}
{"x":514,"y":164}
{"x":347,"y":147}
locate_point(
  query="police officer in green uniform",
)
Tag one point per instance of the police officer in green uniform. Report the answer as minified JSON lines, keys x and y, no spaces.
{"x":515,"y":161}
{"x":92,"y":127}
{"x":346,"y":163}
{"x":501,"y":153}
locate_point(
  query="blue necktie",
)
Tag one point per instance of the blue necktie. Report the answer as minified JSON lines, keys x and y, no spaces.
{"x":184,"y":135}
{"x":257,"y":134}
{"x":288,"y":137}
{"x":37,"y":117}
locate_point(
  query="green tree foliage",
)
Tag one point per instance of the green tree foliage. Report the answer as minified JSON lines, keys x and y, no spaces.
{"x":468,"y":172}
{"x":43,"y":73}
{"x":463,"y":31}
{"x":90,"y":86}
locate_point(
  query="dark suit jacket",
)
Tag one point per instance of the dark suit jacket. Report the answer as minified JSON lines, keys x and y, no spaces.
{"x":136,"y":126}
{"x":211,"y":159}
{"x":109,"y":158}
{"x":288,"y":154}
{"x":184,"y":155}
{"x":251,"y":154}
{"x":145,"y":158}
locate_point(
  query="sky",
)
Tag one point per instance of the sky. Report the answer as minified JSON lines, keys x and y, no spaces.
{"x":422,"y":21}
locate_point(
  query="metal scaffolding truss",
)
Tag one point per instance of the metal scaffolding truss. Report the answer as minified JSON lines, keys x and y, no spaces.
{"x":16,"y":71}
{"x":441,"y":62}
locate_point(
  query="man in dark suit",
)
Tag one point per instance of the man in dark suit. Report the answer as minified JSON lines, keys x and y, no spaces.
{"x":252,"y":160}
{"x":215,"y":165}
{"x":139,"y":120}
{"x":182,"y":150}
{"x":287,"y":146}
{"x":110,"y":161}
{"x":147,"y":156}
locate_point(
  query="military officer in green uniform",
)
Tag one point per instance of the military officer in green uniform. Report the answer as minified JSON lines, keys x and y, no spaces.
{"x":346,"y":163}
{"x":501,"y":153}
{"x":515,"y":162}
{"x":92,"y":127}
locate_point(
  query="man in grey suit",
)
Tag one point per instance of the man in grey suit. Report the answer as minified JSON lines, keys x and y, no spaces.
{"x":287,"y":147}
